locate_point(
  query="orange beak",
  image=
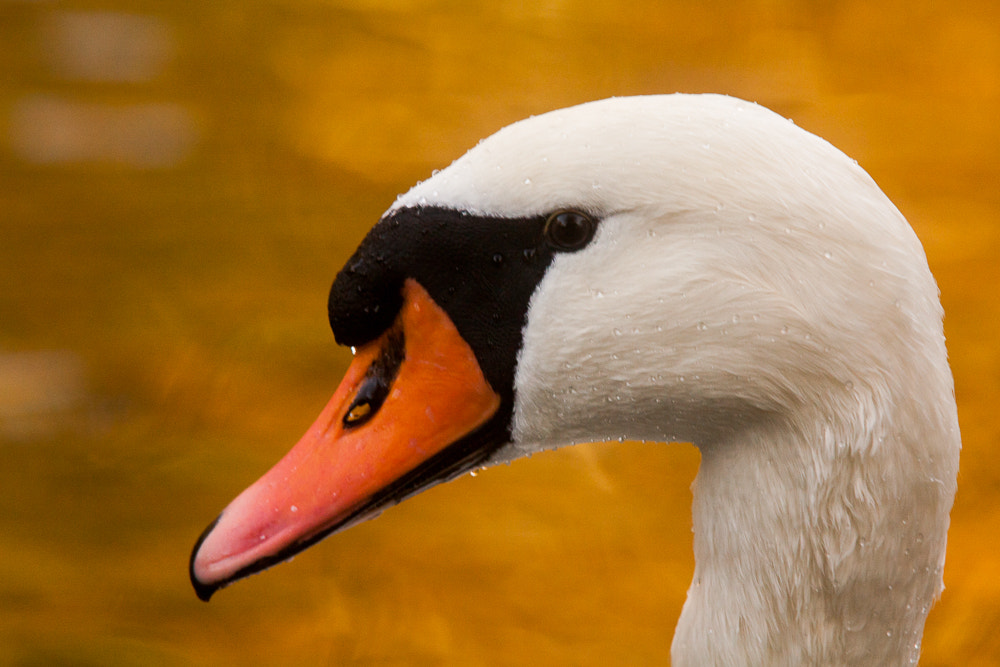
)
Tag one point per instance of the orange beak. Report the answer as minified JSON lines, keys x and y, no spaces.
{"x":399,"y":422}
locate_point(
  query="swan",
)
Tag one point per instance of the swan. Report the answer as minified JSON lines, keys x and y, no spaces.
{"x":662,"y":268}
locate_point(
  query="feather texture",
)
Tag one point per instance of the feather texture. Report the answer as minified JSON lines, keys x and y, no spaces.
{"x":751,"y":290}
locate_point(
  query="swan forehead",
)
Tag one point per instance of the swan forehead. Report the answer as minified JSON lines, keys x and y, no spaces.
{"x":617,"y":154}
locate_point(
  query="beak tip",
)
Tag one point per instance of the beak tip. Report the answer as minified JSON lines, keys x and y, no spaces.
{"x":202,"y":590}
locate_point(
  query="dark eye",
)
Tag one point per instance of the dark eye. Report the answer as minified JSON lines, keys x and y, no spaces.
{"x":569,"y":230}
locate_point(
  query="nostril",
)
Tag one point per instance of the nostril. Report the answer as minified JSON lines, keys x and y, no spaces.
{"x":375,"y":387}
{"x":358,"y":414}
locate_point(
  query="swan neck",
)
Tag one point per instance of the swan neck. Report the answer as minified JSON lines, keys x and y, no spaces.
{"x":808,"y":551}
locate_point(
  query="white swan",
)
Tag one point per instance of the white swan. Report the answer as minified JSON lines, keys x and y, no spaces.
{"x":657,"y":268}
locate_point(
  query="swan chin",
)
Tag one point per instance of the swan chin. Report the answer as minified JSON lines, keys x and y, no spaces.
{"x":680,"y":267}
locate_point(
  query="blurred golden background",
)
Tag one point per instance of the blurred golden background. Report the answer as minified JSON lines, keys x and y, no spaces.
{"x":179,"y":183}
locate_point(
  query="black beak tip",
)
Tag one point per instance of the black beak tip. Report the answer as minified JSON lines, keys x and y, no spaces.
{"x":202,"y":590}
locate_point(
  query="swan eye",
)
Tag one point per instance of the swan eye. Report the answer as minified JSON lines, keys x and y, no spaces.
{"x":569,"y":230}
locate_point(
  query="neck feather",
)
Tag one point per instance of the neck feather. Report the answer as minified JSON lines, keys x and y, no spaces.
{"x":817,"y":541}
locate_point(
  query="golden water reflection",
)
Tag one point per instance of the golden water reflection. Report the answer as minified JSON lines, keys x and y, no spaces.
{"x":178,"y":186}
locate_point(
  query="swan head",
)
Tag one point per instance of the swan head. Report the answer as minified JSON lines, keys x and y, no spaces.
{"x":661,"y":268}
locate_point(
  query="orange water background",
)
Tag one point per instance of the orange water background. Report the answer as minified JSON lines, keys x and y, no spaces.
{"x":179,"y":183}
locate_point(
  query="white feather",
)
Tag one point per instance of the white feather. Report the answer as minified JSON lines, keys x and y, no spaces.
{"x":750,"y":289}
